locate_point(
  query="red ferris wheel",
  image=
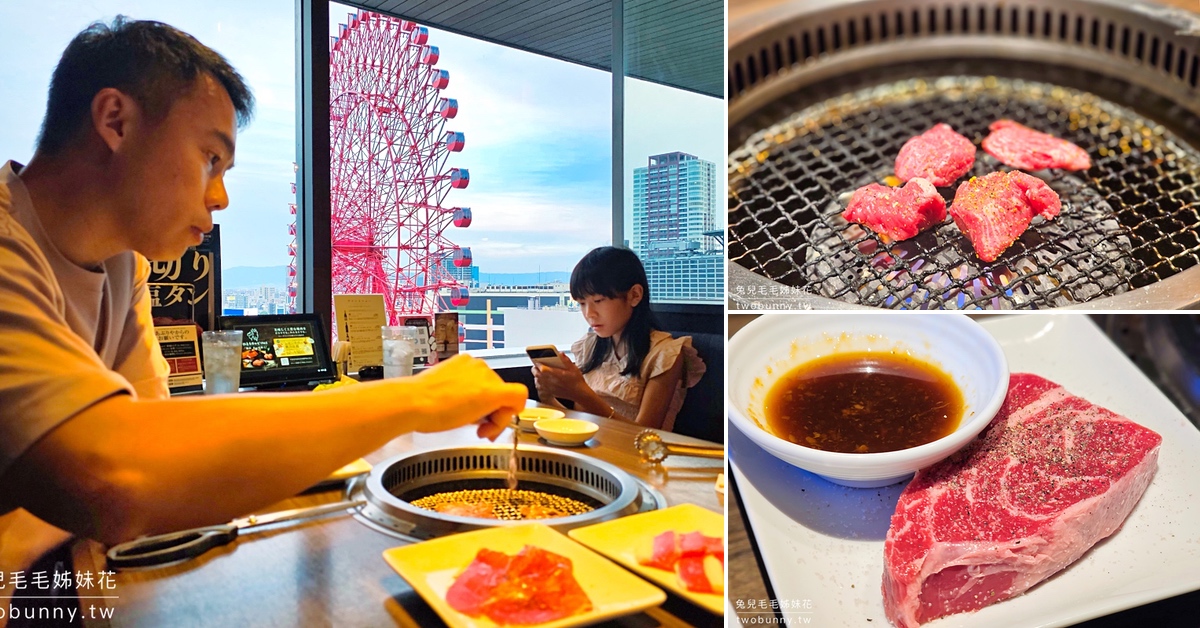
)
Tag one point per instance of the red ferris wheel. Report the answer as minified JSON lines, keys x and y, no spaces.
{"x":389,"y":175}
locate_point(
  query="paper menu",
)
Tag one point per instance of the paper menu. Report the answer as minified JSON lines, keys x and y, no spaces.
{"x":359,"y":319}
{"x":445,"y":325}
{"x":179,"y":346}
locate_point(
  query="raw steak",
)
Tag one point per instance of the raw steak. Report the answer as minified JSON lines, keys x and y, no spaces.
{"x":939,"y":155}
{"x":533,"y":587}
{"x":1021,"y":147}
{"x":995,"y":209}
{"x":898,"y":213}
{"x":1052,"y":475}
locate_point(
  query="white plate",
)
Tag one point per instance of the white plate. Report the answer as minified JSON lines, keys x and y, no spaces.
{"x":822,"y":544}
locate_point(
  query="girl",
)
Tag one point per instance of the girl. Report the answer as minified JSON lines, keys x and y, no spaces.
{"x":630,"y":369}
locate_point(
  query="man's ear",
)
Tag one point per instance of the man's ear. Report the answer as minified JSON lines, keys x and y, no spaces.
{"x":113,"y":111}
{"x":635,"y":295}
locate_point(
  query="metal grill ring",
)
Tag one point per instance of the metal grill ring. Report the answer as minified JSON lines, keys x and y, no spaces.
{"x":400,"y":490}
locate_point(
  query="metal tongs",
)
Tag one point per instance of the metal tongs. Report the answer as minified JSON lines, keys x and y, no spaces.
{"x":176,"y":546}
{"x":654,"y":449}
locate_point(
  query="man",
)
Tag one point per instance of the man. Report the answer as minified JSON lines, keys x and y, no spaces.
{"x":139,"y":132}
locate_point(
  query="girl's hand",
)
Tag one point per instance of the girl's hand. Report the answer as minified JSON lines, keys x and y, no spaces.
{"x":564,"y":383}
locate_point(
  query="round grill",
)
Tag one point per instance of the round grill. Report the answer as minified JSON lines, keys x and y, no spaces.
{"x":400,"y":491}
{"x":1128,"y":224}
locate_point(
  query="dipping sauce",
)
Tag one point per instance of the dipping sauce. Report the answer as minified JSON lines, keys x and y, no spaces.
{"x":864,"y":402}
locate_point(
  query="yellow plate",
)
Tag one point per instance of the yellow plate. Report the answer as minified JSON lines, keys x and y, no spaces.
{"x":618,"y":538}
{"x":431,"y":567}
{"x":358,"y":467}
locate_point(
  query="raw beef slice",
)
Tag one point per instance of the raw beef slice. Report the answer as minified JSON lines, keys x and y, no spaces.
{"x":995,"y":209}
{"x":939,"y":155}
{"x":1052,"y":475}
{"x":1019,"y":146}
{"x":898,"y":213}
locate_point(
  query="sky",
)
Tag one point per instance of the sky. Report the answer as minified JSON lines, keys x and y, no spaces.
{"x":538,"y":130}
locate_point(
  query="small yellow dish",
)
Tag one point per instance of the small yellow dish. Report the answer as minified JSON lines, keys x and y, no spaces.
{"x":568,"y":432}
{"x":529,"y":416}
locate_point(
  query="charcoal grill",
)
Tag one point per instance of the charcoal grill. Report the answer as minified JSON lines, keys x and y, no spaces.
{"x":591,"y":490}
{"x":824,"y":93}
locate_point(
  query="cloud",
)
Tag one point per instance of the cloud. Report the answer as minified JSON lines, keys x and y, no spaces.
{"x":536,"y":216}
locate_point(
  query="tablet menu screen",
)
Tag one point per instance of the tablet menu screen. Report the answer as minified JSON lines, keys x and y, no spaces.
{"x":281,"y":349}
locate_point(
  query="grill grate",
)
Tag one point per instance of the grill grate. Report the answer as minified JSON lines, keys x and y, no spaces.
{"x":1127,"y":222}
{"x":503,"y":503}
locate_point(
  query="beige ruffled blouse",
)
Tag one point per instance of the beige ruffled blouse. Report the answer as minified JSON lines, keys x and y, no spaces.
{"x":624,"y":392}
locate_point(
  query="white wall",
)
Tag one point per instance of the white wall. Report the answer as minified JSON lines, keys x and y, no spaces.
{"x":542,"y":327}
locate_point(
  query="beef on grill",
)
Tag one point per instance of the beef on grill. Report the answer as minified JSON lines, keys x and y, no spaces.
{"x":1052,"y":475}
{"x":1019,"y":146}
{"x":897,"y":213}
{"x":465,"y":509}
{"x":995,"y":209}
{"x":939,"y":155}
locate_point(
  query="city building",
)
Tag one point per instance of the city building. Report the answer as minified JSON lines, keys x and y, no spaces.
{"x":486,"y":316}
{"x":687,"y":276}
{"x":466,"y":275}
{"x":674,"y":211}
{"x":253,"y":301}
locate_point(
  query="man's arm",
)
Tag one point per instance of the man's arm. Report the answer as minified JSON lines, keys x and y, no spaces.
{"x":124,"y":467}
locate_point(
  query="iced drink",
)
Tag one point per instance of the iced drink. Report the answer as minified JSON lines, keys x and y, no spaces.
{"x":222,"y":361}
{"x":399,"y":349}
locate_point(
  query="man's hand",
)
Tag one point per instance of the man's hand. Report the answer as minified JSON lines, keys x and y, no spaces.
{"x":464,"y":390}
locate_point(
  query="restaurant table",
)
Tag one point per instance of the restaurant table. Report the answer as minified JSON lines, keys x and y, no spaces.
{"x":748,"y":583}
{"x":330,"y":571}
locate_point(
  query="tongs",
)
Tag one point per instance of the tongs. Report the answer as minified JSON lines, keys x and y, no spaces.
{"x":654,"y":449}
{"x":176,"y":546}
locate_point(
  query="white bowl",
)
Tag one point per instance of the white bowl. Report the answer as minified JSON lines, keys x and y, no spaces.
{"x":527,"y":417}
{"x":569,"y":432}
{"x":771,"y":345}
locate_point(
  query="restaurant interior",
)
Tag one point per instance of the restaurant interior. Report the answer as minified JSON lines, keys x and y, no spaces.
{"x":354,"y":550}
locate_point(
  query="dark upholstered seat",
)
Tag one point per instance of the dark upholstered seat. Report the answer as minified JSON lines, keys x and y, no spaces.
{"x":703,"y":411}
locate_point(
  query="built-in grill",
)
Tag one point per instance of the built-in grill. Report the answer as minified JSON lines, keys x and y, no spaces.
{"x":402,"y":491}
{"x":823,"y":94}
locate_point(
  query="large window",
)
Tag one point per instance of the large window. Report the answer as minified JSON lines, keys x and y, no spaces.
{"x":261,"y":44}
{"x":536,"y":144}
{"x":673,"y":173}
{"x":674,"y":150}
{"x":537,"y":139}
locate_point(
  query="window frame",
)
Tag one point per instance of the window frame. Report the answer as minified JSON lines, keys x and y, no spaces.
{"x":313,"y":205}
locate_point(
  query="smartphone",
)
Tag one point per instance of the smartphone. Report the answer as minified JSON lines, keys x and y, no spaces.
{"x":547,"y":355}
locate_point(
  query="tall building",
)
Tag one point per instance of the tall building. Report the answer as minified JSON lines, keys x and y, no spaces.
{"x":466,"y":275}
{"x":692,"y":276}
{"x":674,"y":206}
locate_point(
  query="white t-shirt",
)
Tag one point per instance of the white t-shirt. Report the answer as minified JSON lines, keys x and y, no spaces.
{"x":69,"y":336}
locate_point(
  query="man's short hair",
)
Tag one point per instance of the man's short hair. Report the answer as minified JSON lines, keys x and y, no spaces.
{"x":155,"y":64}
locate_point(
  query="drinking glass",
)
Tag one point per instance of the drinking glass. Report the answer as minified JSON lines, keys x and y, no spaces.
{"x":399,"y":349}
{"x":222,"y":361}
